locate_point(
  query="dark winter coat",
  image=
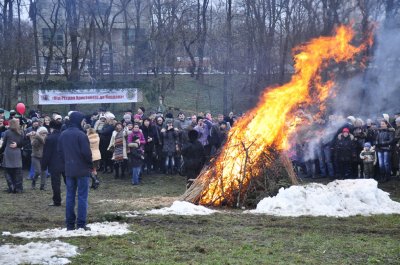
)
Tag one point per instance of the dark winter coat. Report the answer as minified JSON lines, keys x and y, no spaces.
{"x":170,"y":140}
{"x":105,"y":137}
{"x":51,"y":159}
{"x":384,"y":139}
{"x":149,"y":132}
{"x":193,"y":155}
{"x":27,"y":141}
{"x":214,"y":137}
{"x":371,"y":135}
{"x":345,"y":150}
{"x":135,"y":157}
{"x":360,"y":135}
{"x":74,"y":148}
{"x":12,"y":156}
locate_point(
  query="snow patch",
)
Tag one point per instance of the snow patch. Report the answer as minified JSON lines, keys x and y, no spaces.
{"x":54,"y":252}
{"x":182,"y":208}
{"x":340,"y":198}
{"x":97,"y":229}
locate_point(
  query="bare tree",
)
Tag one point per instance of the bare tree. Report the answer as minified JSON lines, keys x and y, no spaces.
{"x":33,"y":17}
{"x":73,"y":24}
{"x":202,"y":7}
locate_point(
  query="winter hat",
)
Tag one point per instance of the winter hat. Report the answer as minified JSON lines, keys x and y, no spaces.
{"x":386,"y":117}
{"x":367,"y":144}
{"x":345,"y":130}
{"x":41,"y":129}
{"x":109,"y":116}
{"x":193,"y":135}
{"x":34,"y":119}
{"x":137,"y":117}
{"x":351,"y":118}
{"x":127,"y":117}
{"x":70,"y":112}
{"x":76,"y":118}
{"x":56,"y":125}
{"x":57,"y":117}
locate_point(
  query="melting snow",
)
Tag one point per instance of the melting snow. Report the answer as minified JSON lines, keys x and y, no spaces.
{"x":54,"y":252}
{"x":182,"y":208}
{"x":341,"y":198}
{"x":97,"y":229}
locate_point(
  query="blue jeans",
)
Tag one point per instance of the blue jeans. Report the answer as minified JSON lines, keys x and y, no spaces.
{"x":384,"y":162}
{"x":82,"y":185}
{"x":135,"y":175}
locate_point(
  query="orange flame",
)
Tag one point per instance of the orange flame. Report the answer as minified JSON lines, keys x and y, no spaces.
{"x":265,"y":126}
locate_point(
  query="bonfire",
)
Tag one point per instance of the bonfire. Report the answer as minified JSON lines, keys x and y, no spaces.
{"x":254,"y":153}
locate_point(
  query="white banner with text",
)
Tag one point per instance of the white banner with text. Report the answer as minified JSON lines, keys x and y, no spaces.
{"x":86,"y":96}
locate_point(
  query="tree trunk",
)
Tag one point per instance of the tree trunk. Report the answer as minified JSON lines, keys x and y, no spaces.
{"x":72,"y":21}
{"x":227,"y":64}
{"x":33,"y":17}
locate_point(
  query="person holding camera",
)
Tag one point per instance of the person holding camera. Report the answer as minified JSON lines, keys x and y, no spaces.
{"x":170,"y":140}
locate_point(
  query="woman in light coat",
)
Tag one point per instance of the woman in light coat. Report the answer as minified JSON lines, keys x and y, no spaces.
{"x":94,"y":141}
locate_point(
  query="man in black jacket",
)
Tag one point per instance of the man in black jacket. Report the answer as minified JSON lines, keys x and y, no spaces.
{"x":193,"y":157}
{"x":51,"y":160}
{"x":74,"y":149}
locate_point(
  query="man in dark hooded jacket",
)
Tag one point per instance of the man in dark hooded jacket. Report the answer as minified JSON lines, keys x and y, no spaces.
{"x":76,"y":155}
{"x":51,"y":161}
{"x":193,"y":157}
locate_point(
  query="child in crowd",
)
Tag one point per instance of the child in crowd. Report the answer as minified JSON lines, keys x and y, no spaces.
{"x":368,"y":155}
{"x":136,"y":155}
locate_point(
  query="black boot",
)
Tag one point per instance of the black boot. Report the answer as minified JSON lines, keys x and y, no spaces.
{"x":95,"y":182}
{"x":34,"y":183}
{"x":123,"y":169}
{"x":116,"y":171}
{"x":42,"y":187}
{"x":383,"y":177}
{"x":10,"y":184}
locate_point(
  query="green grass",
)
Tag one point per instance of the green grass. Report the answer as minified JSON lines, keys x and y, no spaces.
{"x":224,"y":238}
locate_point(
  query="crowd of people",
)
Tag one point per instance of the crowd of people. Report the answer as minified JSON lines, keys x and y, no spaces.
{"x":140,"y":143}
{"x":343,"y":148}
{"x":76,"y":147}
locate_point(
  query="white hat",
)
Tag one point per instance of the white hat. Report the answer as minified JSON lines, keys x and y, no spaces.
{"x":386,"y":116}
{"x":352,"y":119}
{"x":109,"y":116}
{"x":42,"y":129}
{"x":57,"y":117}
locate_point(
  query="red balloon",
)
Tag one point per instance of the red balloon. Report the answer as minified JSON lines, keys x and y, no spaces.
{"x":20,"y":108}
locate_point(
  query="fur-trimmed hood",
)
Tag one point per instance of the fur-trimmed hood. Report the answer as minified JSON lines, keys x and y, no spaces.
{"x":340,"y":136}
